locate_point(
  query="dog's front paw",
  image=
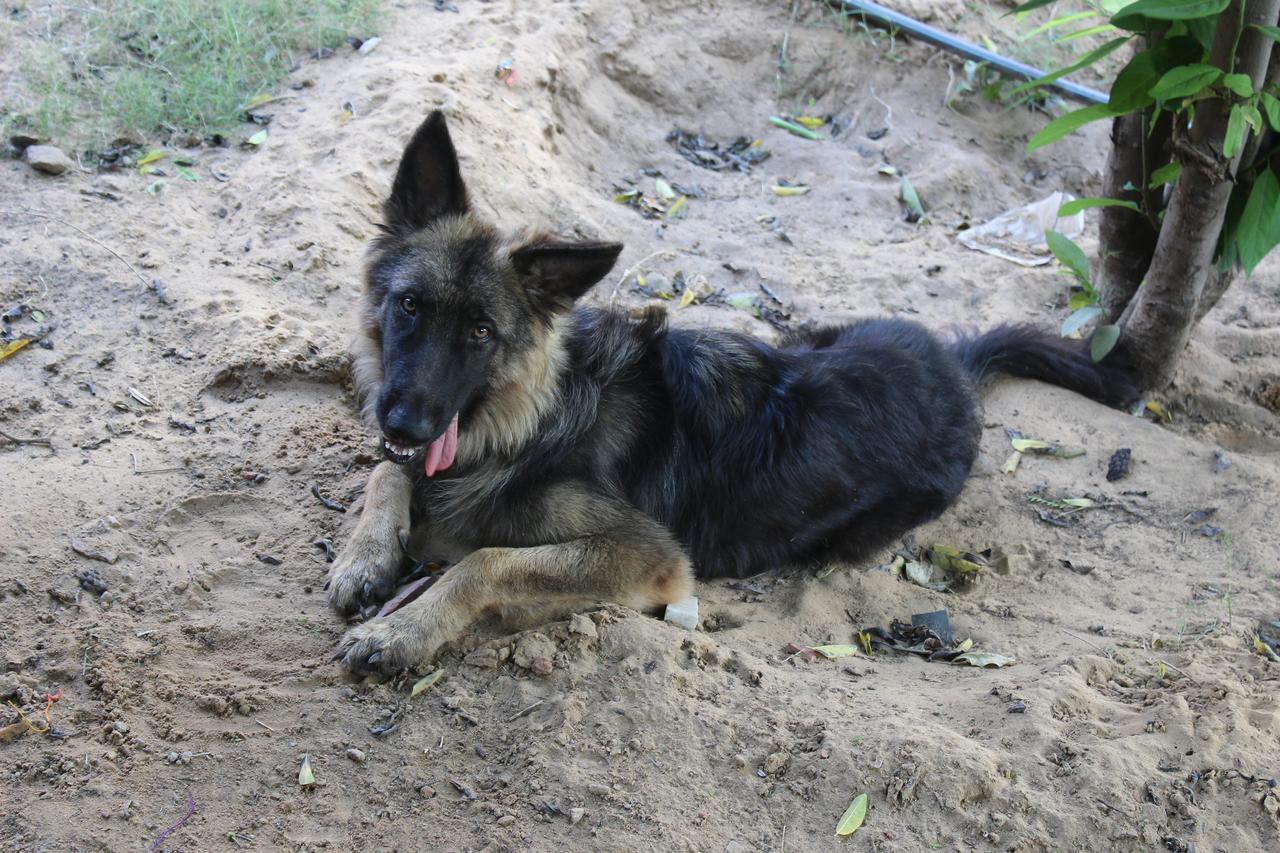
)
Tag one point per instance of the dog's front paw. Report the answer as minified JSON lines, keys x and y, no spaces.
{"x":386,"y":646}
{"x":365,"y":573}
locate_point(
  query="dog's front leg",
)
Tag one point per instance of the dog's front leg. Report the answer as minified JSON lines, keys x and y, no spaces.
{"x":365,"y":572}
{"x":638,"y":565}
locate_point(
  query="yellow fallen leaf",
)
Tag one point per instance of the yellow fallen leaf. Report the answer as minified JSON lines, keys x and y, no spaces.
{"x":789,"y":191}
{"x":832,"y":652}
{"x":305,"y":776}
{"x":1159,"y":411}
{"x":259,"y":100}
{"x":1011,"y":464}
{"x":853,"y":816}
{"x":864,"y":640}
{"x":12,"y":347}
{"x":664,"y":189}
{"x":811,"y":122}
{"x":686,"y":298}
{"x":423,"y":683}
{"x":151,"y":157}
{"x":1265,"y":650}
{"x":1022,"y":445}
{"x":345,"y":116}
{"x":258,"y":138}
{"x":676,"y":207}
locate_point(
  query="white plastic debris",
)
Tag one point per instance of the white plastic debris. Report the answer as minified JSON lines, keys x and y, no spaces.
{"x":1018,"y":235}
{"x":683,"y":613}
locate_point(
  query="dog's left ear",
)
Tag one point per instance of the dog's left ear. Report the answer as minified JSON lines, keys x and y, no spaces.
{"x":559,"y":273}
{"x":428,"y":183}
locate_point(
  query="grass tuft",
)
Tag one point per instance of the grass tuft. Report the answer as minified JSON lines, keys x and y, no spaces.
{"x":148,"y":70}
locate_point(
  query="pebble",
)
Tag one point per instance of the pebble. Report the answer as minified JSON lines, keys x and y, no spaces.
{"x":541,"y":667}
{"x":576,"y":816}
{"x":599,"y":790}
{"x":121,"y":727}
{"x":355,"y":755}
{"x":47,"y":159}
{"x":776,"y":762}
{"x":506,"y":820}
{"x":581,"y":624}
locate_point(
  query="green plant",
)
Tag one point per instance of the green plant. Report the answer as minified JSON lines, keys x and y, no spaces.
{"x":1194,"y":109}
{"x":148,"y":69}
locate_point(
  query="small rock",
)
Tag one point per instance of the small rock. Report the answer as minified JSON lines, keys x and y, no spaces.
{"x":506,"y":820}
{"x":9,"y":686}
{"x":776,"y":762}
{"x":530,"y":647}
{"x":121,"y":726}
{"x":355,"y":755}
{"x":369,"y":45}
{"x":576,"y":816}
{"x":48,"y":159}
{"x":172,"y":758}
{"x":1118,"y":466}
{"x":1221,"y":461}
{"x":600,"y":790}
{"x":426,"y":792}
{"x":541,"y":667}
{"x":581,"y":624}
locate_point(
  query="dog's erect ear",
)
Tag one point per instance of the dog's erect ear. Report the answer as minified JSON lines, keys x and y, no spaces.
{"x":559,"y":273}
{"x":428,"y":183}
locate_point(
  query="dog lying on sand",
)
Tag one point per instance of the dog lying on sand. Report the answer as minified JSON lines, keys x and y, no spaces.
{"x":568,"y":455}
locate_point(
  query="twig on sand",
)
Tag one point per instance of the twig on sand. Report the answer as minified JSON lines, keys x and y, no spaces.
{"x":1100,"y":649}
{"x":264,"y":725}
{"x":178,"y":824}
{"x":13,"y":439}
{"x":42,"y":215}
{"x":636,"y":267}
{"x":525,"y":711}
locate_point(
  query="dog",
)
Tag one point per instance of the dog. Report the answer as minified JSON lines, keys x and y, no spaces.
{"x":567,"y":455}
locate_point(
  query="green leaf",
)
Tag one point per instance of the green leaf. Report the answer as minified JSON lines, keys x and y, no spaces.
{"x":187,"y":175}
{"x":1073,"y":207}
{"x":915,"y":210}
{"x":1064,"y":124}
{"x":258,"y":138}
{"x":1241,"y":84}
{"x":1068,"y":254}
{"x":1136,"y":15}
{"x":1166,"y":174}
{"x":1272,"y":33}
{"x":1201,"y":29}
{"x":306,"y":776}
{"x":798,"y":130}
{"x":1057,"y":22}
{"x":427,"y":681}
{"x":854,"y":815}
{"x":1079,"y":318}
{"x":1103,"y":341}
{"x":1132,"y":88}
{"x":1029,"y":5}
{"x":1185,"y":81}
{"x":1084,"y":61}
{"x":1259,"y":229}
{"x":832,"y":652}
{"x":1271,"y":107}
{"x":1085,"y":33}
{"x":1080,"y":299}
{"x":1234,"y":138}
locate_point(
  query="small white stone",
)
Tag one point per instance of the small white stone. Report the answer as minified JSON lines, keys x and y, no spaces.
{"x":683,"y":613}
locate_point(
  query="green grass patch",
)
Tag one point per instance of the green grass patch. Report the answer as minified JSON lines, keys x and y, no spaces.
{"x":151,"y":70}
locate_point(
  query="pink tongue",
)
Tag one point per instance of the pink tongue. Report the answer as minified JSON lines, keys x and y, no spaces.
{"x":441,"y":452}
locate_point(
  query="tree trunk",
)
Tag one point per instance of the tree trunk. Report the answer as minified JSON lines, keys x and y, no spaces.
{"x":1158,"y":322}
{"x":1128,"y":239}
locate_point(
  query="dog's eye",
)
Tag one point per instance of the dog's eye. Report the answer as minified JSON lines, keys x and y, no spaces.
{"x":481,"y":333}
{"x":409,"y":305}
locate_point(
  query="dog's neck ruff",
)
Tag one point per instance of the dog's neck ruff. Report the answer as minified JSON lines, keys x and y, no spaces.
{"x":507,"y":419}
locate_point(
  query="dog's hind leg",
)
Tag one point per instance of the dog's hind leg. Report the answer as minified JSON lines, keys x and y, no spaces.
{"x":366,"y":570}
{"x":636,"y":562}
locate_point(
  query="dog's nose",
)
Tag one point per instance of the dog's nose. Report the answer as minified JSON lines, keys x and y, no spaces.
{"x":407,"y":424}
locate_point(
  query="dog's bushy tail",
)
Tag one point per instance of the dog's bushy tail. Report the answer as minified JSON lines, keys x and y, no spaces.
{"x":1023,"y":350}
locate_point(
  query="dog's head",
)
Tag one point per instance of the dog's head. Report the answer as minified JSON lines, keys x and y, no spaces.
{"x":453,"y":311}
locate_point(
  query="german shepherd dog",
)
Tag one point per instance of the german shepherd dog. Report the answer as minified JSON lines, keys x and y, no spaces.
{"x":571,"y":455}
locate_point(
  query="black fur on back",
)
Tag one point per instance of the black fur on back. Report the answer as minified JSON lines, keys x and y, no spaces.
{"x":834,"y":442}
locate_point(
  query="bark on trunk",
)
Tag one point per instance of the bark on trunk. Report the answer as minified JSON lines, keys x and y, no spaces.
{"x":1128,"y":239}
{"x":1159,"y":319}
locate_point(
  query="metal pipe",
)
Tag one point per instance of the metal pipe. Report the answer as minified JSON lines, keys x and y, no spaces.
{"x":933,"y":35}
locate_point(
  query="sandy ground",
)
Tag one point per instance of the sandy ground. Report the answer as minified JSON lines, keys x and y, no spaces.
{"x":185,"y":434}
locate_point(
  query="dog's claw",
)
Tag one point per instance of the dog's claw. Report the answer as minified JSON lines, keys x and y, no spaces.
{"x":403,"y":536}
{"x":374,"y":658}
{"x":365,"y":592}
{"x":326,"y":584}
